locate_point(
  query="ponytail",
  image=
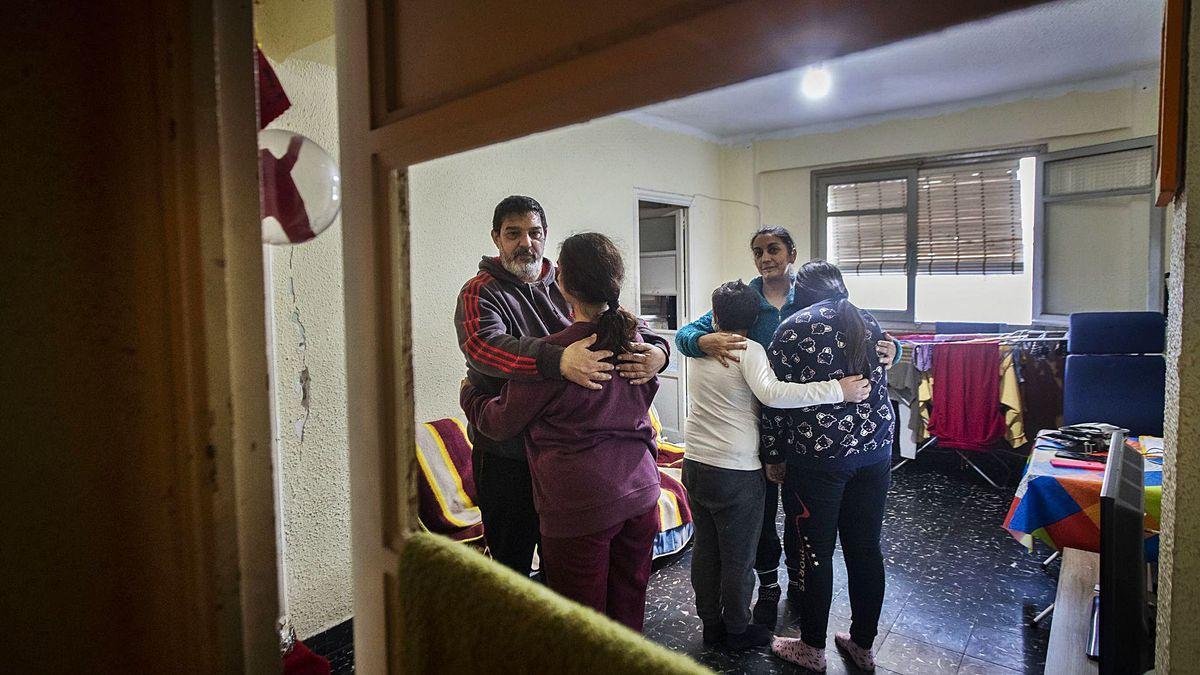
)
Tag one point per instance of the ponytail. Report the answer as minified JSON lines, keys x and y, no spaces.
{"x":594,"y":273}
{"x":860,"y":353}
{"x":615,"y":329}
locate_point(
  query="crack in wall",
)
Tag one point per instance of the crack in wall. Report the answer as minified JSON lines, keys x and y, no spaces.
{"x":303,"y":379}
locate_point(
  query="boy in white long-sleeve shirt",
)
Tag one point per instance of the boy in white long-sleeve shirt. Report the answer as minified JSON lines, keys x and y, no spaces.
{"x":722,"y":471}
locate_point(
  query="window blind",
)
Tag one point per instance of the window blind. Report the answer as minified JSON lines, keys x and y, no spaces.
{"x":1121,"y":170}
{"x":873,"y":195}
{"x":869,"y":244}
{"x":867,"y":227}
{"x":969,"y":220}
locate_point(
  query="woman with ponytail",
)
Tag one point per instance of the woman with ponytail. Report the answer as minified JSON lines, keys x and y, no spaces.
{"x":591,"y":452}
{"x":834,"y":462}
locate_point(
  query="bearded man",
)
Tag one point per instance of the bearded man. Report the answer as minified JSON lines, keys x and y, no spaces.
{"x":503,"y":314}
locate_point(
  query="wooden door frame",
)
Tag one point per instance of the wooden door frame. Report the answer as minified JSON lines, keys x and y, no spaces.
{"x":711,"y":45}
{"x":207,"y":96}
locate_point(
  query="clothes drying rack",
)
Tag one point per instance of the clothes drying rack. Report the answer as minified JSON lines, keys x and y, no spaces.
{"x":1023,"y":336}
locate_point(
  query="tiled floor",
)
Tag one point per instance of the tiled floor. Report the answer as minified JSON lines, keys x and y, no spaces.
{"x":337,"y":645}
{"x":959,"y":596}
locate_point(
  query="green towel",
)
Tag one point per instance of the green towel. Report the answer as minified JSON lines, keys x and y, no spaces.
{"x":463,"y":613}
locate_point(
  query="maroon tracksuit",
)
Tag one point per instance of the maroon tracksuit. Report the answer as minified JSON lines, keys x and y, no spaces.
{"x":595,"y":482}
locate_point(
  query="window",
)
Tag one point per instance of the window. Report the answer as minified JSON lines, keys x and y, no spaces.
{"x":1099,"y":236}
{"x":867,"y":222}
{"x":954,"y":239}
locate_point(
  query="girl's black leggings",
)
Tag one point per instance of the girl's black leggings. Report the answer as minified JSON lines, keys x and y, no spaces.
{"x":823,"y":504}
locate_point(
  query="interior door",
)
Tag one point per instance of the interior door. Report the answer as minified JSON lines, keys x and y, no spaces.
{"x":420,"y":80}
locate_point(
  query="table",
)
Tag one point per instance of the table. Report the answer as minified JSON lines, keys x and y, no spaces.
{"x":1067,"y":652}
{"x":1061,"y":506}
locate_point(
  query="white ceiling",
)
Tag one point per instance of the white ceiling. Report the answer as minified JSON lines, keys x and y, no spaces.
{"x":1058,"y":46}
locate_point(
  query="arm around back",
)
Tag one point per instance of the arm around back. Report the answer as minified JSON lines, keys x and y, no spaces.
{"x":505,"y":416}
{"x":687,"y":339}
{"x":770,"y":391}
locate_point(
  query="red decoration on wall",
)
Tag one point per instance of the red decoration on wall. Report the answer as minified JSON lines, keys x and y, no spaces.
{"x":272,"y":99}
{"x":280,"y":197}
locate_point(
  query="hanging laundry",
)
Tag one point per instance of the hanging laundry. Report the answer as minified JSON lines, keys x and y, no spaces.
{"x":1042,"y":387}
{"x":1011,"y":401}
{"x":966,"y":411}
{"x":923,"y":357}
{"x":904,"y":383}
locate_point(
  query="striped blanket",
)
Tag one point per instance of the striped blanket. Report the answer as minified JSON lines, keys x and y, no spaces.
{"x":446,"y":488}
{"x":670,"y":455}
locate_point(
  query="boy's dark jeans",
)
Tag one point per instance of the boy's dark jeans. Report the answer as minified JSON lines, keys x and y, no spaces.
{"x":727,"y":510}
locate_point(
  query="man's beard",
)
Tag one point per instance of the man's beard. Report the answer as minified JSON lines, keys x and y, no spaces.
{"x":523,"y":264}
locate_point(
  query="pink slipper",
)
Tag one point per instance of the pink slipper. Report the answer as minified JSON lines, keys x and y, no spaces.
{"x":864,"y":659}
{"x":799,"y":652}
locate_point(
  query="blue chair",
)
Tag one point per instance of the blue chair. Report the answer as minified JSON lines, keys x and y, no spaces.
{"x":1116,"y":372}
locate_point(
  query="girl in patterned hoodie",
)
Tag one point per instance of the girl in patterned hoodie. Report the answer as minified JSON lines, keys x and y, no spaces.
{"x":838,"y":463}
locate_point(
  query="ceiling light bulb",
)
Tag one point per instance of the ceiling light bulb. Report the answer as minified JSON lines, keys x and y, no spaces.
{"x":816,"y":82}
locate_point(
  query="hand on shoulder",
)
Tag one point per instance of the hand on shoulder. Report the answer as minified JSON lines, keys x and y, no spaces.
{"x":721,"y":346}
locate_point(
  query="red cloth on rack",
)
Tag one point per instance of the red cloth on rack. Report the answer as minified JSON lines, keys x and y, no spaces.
{"x":966,"y":412}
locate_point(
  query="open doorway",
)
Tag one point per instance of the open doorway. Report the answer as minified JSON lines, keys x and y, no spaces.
{"x":663,"y":296}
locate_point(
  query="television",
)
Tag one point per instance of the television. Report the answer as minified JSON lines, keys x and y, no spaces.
{"x":1126,"y":622}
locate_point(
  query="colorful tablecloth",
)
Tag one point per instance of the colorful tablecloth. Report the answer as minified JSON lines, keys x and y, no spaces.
{"x":1061,"y":506}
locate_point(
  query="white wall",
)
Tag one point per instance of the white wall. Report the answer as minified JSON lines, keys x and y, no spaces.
{"x":741,"y":215}
{"x":585,"y":177}
{"x":309,"y":336}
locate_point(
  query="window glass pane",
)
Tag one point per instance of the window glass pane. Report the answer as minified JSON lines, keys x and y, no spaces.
{"x":879,"y":194}
{"x":1096,"y":253}
{"x":868,"y":244}
{"x":992,"y":298}
{"x":969,"y":220}
{"x":1110,"y":171}
{"x":1004,"y":298}
{"x":872,"y":291}
{"x":656,"y":234}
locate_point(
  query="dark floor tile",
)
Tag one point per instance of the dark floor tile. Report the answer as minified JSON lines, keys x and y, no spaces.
{"x":973,"y":666}
{"x":893,"y":603}
{"x":912,"y":657}
{"x":337,"y":646}
{"x":1019,"y":650}
{"x":941,"y":601}
{"x":947,"y":560}
{"x":1009,"y":613}
{"x":936,"y":629}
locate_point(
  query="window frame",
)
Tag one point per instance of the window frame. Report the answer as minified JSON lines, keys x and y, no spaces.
{"x":821,"y":179}
{"x":821,"y":233}
{"x":1154,"y":290}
